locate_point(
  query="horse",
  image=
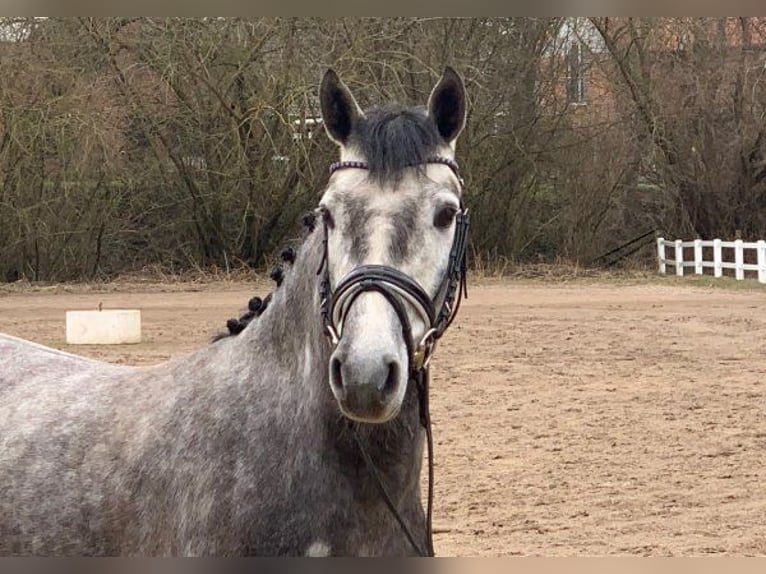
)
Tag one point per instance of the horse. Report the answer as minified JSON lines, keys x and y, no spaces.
{"x":303,"y":433}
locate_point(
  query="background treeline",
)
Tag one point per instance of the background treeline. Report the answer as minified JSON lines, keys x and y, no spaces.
{"x":190,"y":143}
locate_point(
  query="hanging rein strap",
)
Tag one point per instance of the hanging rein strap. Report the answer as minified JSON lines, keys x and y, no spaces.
{"x":396,"y":288}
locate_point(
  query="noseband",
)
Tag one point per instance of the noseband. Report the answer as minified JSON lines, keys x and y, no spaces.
{"x":401,"y":290}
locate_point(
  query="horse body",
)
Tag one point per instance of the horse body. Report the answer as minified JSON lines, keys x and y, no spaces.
{"x":260,"y":443}
{"x":212,"y":453}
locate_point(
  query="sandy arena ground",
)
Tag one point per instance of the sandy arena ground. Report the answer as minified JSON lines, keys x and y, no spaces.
{"x":581,"y":418}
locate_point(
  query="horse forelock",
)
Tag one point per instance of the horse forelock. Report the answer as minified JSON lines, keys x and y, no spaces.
{"x":392,"y":138}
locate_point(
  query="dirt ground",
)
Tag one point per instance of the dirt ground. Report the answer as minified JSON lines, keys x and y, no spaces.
{"x":580,"y":418}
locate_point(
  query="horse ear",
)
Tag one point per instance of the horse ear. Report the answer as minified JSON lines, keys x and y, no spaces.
{"x":339,"y":108}
{"x":447,"y":105}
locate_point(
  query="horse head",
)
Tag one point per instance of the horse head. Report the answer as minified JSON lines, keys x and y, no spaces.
{"x":395,"y":231}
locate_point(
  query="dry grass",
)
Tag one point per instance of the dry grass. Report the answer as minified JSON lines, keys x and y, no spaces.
{"x":152,"y":279}
{"x":155,"y":279}
{"x":560,"y":270}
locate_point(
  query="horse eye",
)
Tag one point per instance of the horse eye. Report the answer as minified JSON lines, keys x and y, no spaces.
{"x":327,"y":217}
{"x":444,"y":216}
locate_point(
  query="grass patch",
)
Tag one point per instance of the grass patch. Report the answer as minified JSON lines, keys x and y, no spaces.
{"x":710,"y":282}
{"x":159,"y":280}
{"x":151,"y":280}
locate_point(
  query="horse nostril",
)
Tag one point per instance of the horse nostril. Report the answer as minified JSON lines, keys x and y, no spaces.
{"x":336,"y":379}
{"x":392,"y":380}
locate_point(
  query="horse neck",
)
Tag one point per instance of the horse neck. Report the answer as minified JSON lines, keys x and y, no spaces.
{"x":287,"y":339}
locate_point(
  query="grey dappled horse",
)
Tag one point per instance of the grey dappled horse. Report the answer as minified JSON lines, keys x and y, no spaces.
{"x":244,"y":447}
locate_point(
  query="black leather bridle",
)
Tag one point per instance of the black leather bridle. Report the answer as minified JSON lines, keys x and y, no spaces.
{"x":399,"y":290}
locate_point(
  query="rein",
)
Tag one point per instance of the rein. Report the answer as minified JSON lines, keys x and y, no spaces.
{"x":400,"y":289}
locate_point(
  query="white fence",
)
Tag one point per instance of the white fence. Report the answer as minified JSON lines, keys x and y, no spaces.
{"x":720,"y":260}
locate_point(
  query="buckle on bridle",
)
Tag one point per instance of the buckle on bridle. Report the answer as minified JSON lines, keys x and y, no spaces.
{"x":424,"y":350}
{"x":332,"y":334}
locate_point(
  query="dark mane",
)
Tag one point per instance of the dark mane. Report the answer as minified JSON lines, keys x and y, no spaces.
{"x":257,"y":306}
{"x":392,"y":138}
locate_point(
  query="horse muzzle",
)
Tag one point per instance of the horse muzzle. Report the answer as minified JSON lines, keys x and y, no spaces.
{"x":369,"y":365}
{"x":367,"y":390}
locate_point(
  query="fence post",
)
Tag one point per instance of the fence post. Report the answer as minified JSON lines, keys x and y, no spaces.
{"x":661,"y":254}
{"x":739,"y":259}
{"x":679,"y":258}
{"x":717,"y":269}
{"x":761,"y":250}
{"x":698,"y":256}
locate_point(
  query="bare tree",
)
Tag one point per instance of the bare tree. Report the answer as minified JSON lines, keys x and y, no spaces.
{"x":696,"y":86}
{"x":195,"y":142}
